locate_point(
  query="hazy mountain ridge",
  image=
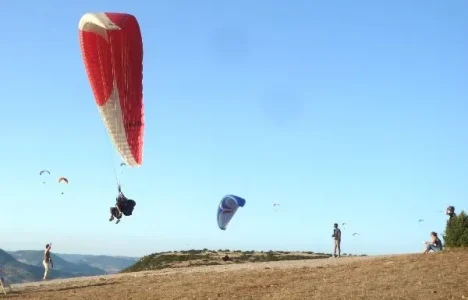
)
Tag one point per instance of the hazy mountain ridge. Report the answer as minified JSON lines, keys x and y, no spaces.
{"x":26,"y":265}
{"x":18,"y":272}
{"x":110,"y":264}
{"x":34,"y":258}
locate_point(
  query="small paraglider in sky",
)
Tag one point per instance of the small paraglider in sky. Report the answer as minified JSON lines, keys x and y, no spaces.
{"x":227,"y":209}
{"x":42,"y":173}
{"x":276,"y":206}
{"x":64,"y":180}
{"x":356,"y":233}
{"x":122,"y":167}
{"x":420,"y":220}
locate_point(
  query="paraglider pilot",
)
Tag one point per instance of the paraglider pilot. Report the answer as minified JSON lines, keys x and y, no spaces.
{"x":123,"y":206}
{"x":116,"y":211}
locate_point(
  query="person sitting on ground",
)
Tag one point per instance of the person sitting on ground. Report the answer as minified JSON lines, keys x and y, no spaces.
{"x":435,"y":244}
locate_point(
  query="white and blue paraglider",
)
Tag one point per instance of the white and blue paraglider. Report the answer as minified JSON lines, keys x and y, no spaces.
{"x":227,"y":209}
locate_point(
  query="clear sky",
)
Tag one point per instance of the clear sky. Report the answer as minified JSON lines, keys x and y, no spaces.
{"x":341,"y":111}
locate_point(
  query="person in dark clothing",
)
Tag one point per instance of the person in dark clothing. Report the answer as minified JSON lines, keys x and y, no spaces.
{"x":450,"y":211}
{"x":123,"y":206}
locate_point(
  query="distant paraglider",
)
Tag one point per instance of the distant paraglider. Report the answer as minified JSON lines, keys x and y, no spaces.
{"x":276,"y":206}
{"x":356,"y":233}
{"x":122,"y":167}
{"x":44,"y":172}
{"x":227,"y":209}
{"x":420,"y":220}
{"x":64,"y":180}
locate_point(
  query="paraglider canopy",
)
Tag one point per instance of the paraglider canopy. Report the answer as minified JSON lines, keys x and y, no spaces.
{"x":112,"y":50}
{"x":62,"y":179}
{"x":43,"y":172}
{"x":227,"y":209}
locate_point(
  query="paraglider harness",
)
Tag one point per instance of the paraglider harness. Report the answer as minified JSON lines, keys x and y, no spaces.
{"x":125,"y":205}
{"x":450,"y":212}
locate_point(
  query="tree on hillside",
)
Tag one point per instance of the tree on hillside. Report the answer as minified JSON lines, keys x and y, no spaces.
{"x":456,"y":231}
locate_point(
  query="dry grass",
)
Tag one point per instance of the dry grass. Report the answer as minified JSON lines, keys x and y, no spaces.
{"x":196,"y":258}
{"x":435,"y":276}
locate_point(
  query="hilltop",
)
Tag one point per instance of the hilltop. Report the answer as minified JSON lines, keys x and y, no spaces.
{"x":435,"y":276}
{"x":205,"y":257}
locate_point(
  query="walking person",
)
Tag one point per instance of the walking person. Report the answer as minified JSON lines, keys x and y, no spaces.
{"x":337,"y":238}
{"x":47,"y":260}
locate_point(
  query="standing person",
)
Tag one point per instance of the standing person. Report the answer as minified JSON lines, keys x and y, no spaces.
{"x":47,"y":260}
{"x":337,"y":238}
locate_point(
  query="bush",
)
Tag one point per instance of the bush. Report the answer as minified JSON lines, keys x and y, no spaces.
{"x":456,"y":231}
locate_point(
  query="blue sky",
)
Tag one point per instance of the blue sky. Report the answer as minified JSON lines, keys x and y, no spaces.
{"x":341,"y":112}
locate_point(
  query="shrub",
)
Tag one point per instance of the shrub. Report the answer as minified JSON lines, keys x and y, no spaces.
{"x":456,"y":231}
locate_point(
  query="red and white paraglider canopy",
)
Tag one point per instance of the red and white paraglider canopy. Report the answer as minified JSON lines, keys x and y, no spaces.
{"x":112,"y":50}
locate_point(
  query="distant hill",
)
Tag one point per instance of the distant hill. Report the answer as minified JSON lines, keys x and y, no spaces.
{"x":205,"y":257}
{"x":18,"y":272}
{"x":110,"y":264}
{"x":34,"y":258}
{"x":26,"y":265}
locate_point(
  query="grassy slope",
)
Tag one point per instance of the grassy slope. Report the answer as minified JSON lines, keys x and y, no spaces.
{"x":436,"y":276}
{"x":206,"y":257}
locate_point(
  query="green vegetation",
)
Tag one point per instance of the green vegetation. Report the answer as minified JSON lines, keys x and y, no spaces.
{"x":456,"y":231}
{"x":205,"y":257}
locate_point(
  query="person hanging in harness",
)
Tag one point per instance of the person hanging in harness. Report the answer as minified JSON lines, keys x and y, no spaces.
{"x":450,"y":211}
{"x":123,"y":206}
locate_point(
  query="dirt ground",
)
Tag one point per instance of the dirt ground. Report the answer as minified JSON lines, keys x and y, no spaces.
{"x":417,"y":276}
